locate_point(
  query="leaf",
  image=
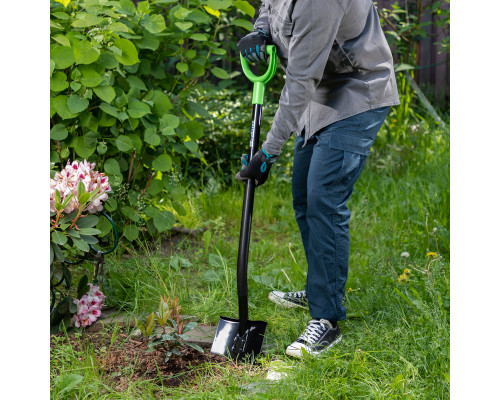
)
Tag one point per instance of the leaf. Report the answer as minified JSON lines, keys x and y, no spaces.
{"x":196,"y":69}
{"x":112,"y":167}
{"x":161,"y":102}
{"x":183,"y":26}
{"x":199,"y":37}
{"x":88,"y":231}
{"x":131,"y":232}
{"x":169,"y":121}
{"x":90,"y":78}
{"x":81,"y":245}
{"x":82,"y":286}
{"x":64,"y":2}
{"x":220,"y":73}
{"x":59,"y":238}
{"x":162,"y":163}
{"x":82,"y":148}
{"x":89,"y":239}
{"x":212,"y":11}
{"x":52,"y":66}
{"x":155,"y":23}
{"x":164,"y":220}
{"x":61,"y":39}
{"x":58,"y":132}
{"x":67,"y":276}
{"x":244,"y":24}
{"x":245,"y":7}
{"x":123,"y":143}
{"x":60,"y":105}
{"x":403,"y":67}
{"x":68,"y":382}
{"x":105,"y":93}
{"x":85,"y":20}
{"x":57,"y":252}
{"x":138,"y":109}
{"x":181,"y":67}
{"x":191,"y":145}
{"x":151,"y":137}
{"x":109,"y":109}
{"x":77,"y":104}
{"x":198,"y":16}
{"x":63,"y":56}
{"x":88,"y":222}
{"x":118,"y":27}
{"x":129,"y":54}
{"x":84,"y":52}
{"x":194,"y":346}
{"x":141,"y":327}
{"x":136,"y":82}
{"x":58,"y":82}
{"x":150,"y":324}
{"x":219,"y":4}
{"x":75,"y":86}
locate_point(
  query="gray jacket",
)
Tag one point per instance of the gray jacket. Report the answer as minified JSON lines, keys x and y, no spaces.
{"x":337,"y":62}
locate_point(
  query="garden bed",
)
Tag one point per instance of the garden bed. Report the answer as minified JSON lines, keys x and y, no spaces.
{"x":122,"y":358}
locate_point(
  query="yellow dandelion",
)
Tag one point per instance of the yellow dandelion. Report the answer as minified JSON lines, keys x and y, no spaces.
{"x":407,"y":271}
{"x":432,"y":254}
{"x":349,"y":290}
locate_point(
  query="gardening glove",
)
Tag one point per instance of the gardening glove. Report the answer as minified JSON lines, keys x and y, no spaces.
{"x":258,"y":167}
{"x":253,"y":46}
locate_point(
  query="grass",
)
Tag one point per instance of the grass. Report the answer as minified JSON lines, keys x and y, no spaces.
{"x":396,"y":337}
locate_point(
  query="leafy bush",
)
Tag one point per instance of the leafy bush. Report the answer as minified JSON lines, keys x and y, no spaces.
{"x":121,"y":83}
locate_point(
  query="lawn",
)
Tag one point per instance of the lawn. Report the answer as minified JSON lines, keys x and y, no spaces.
{"x":396,"y":336}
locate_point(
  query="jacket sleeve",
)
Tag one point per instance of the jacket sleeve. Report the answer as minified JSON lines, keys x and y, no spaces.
{"x":262,"y":21}
{"x":315,"y":26}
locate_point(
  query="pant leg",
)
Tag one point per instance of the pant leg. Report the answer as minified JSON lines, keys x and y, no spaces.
{"x":336,"y":163}
{"x":301,"y":160}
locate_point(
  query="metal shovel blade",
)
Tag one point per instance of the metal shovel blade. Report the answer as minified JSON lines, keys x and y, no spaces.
{"x":228,"y":342}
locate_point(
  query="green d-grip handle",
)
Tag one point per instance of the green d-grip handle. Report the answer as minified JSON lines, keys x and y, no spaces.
{"x":259,"y":82}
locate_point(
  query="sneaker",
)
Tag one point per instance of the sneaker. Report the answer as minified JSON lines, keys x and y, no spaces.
{"x":290,"y":299}
{"x":318,"y":337}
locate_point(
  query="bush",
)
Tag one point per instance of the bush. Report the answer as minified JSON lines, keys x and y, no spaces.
{"x":121,"y":86}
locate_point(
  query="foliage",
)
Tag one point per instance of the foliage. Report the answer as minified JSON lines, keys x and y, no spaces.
{"x":176,"y":338}
{"x":75,"y":193}
{"x":406,"y":27}
{"x":121,"y":85}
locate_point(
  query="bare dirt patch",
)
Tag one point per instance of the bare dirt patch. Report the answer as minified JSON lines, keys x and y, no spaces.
{"x":127,"y":359}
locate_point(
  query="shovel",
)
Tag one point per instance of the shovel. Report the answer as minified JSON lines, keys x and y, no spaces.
{"x":241,"y":338}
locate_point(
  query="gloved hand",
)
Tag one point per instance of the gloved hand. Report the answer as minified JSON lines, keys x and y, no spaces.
{"x":253,"y":46}
{"x":258,"y":167}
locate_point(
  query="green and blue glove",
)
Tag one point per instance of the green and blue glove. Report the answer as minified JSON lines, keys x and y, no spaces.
{"x":253,"y":46}
{"x":257,"y":168}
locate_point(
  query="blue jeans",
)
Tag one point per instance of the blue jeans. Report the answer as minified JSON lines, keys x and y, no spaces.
{"x":324,"y":173}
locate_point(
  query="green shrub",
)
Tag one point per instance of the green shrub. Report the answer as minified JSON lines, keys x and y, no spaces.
{"x":121,"y":83}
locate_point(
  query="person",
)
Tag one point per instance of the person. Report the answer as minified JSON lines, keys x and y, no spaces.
{"x":339,"y":87}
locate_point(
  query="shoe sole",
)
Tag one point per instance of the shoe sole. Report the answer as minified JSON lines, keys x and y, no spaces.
{"x":297,"y":352}
{"x":283,"y":302}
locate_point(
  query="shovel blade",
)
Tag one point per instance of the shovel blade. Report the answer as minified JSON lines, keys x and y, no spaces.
{"x":228,"y":342}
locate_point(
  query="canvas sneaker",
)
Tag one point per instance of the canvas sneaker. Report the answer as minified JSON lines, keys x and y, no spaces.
{"x":319,"y":336}
{"x":290,"y":299}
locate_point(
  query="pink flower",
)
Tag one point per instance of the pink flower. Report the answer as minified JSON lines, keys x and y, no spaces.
{"x":88,"y":307}
{"x":67,"y":182}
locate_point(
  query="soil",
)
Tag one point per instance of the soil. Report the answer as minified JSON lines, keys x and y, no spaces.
{"x":127,"y":359}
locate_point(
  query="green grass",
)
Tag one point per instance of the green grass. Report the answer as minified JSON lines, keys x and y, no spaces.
{"x":396,"y":337}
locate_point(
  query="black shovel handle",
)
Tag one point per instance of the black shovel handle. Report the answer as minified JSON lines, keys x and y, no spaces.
{"x":246,"y":224}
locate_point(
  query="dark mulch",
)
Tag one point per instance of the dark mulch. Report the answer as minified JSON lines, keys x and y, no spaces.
{"x":126,"y":359}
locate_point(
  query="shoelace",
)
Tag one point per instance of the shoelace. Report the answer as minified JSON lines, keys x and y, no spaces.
{"x":298,"y":295}
{"x":313,"y":331}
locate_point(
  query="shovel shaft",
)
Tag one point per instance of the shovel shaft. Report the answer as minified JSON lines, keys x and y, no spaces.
{"x":246,"y":224}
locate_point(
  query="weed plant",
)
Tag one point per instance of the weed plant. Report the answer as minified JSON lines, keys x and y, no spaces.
{"x":396,"y":336}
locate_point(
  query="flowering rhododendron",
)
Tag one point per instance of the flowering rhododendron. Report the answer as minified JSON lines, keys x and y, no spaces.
{"x":88,"y":308}
{"x":67,"y":181}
